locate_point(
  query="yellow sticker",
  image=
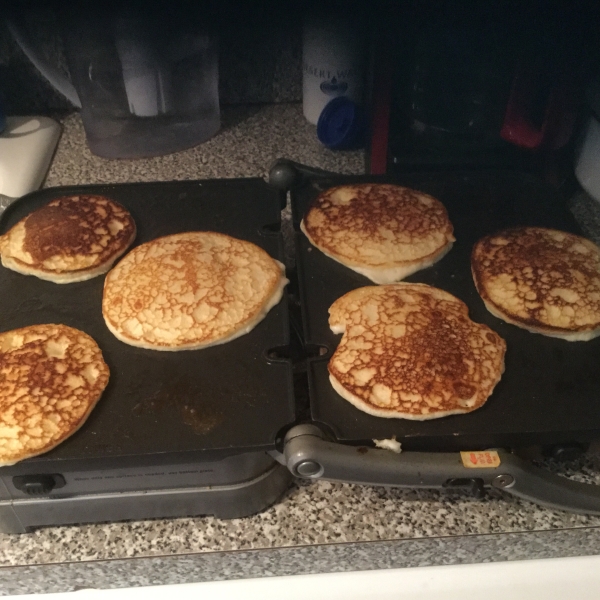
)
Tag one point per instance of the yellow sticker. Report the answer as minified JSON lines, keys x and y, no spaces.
{"x":488,"y":459}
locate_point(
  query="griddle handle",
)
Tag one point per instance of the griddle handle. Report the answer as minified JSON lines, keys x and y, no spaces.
{"x":308,"y":454}
{"x":284,"y":174}
{"x":542,"y":487}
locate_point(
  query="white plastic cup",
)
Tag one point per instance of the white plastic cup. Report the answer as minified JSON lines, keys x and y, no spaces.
{"x":587,"y":163}
{"x":332,"y":63}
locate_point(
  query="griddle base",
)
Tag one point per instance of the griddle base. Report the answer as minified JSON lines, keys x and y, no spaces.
{"x":225,"y":502}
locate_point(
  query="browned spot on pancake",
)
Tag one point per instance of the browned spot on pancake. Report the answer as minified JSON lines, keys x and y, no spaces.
{"x":464,"y":390}
{"x":77,"y":225}
{"x":543,"y":279}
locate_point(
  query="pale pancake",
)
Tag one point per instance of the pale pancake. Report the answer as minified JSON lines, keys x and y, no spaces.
{"x":190,"y":291}
{"x":51,"y":377}
{"x":410,"y":351}
{"x":72,"y":238}
{"x":384,"y":232}
{"x":543,"y":280}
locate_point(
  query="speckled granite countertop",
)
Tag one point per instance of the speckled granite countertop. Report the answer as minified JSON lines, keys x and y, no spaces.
{"x":251,"y":138}
{"x":316,"y":527}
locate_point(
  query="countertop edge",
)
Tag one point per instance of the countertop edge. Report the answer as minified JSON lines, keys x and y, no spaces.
{"x":298,"y":560}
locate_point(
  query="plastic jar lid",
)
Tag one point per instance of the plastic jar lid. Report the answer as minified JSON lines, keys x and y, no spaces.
{"x":341,"y":124}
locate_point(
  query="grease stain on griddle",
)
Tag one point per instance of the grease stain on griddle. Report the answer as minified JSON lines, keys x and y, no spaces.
{"x":30,"y":304}
{"x":184,"y":398}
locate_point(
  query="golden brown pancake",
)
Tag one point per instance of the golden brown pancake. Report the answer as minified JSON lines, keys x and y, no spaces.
{"x":70,"y":239}
{"x":190,"y":291}
{"x":543,"y":280}
{"x":410,"y":351}
{"x":384,"y":232}
{"x":51,"y":377}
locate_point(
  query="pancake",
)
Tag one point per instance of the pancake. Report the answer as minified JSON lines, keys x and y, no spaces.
{"x":410,"y":351}
{"x":70,"y":239}
{"x":543,"y":280}
{"x":51,"y":377}
{"x":190,"y":291}
{"x":384,"y":232}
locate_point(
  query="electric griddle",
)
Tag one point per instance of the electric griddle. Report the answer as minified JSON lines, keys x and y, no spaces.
{"x":175,"y":433}
{"x":222,"y":430}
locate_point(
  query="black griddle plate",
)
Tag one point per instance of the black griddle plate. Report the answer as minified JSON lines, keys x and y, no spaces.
{"x":164,"y":406}
{"x":550,"y":391}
